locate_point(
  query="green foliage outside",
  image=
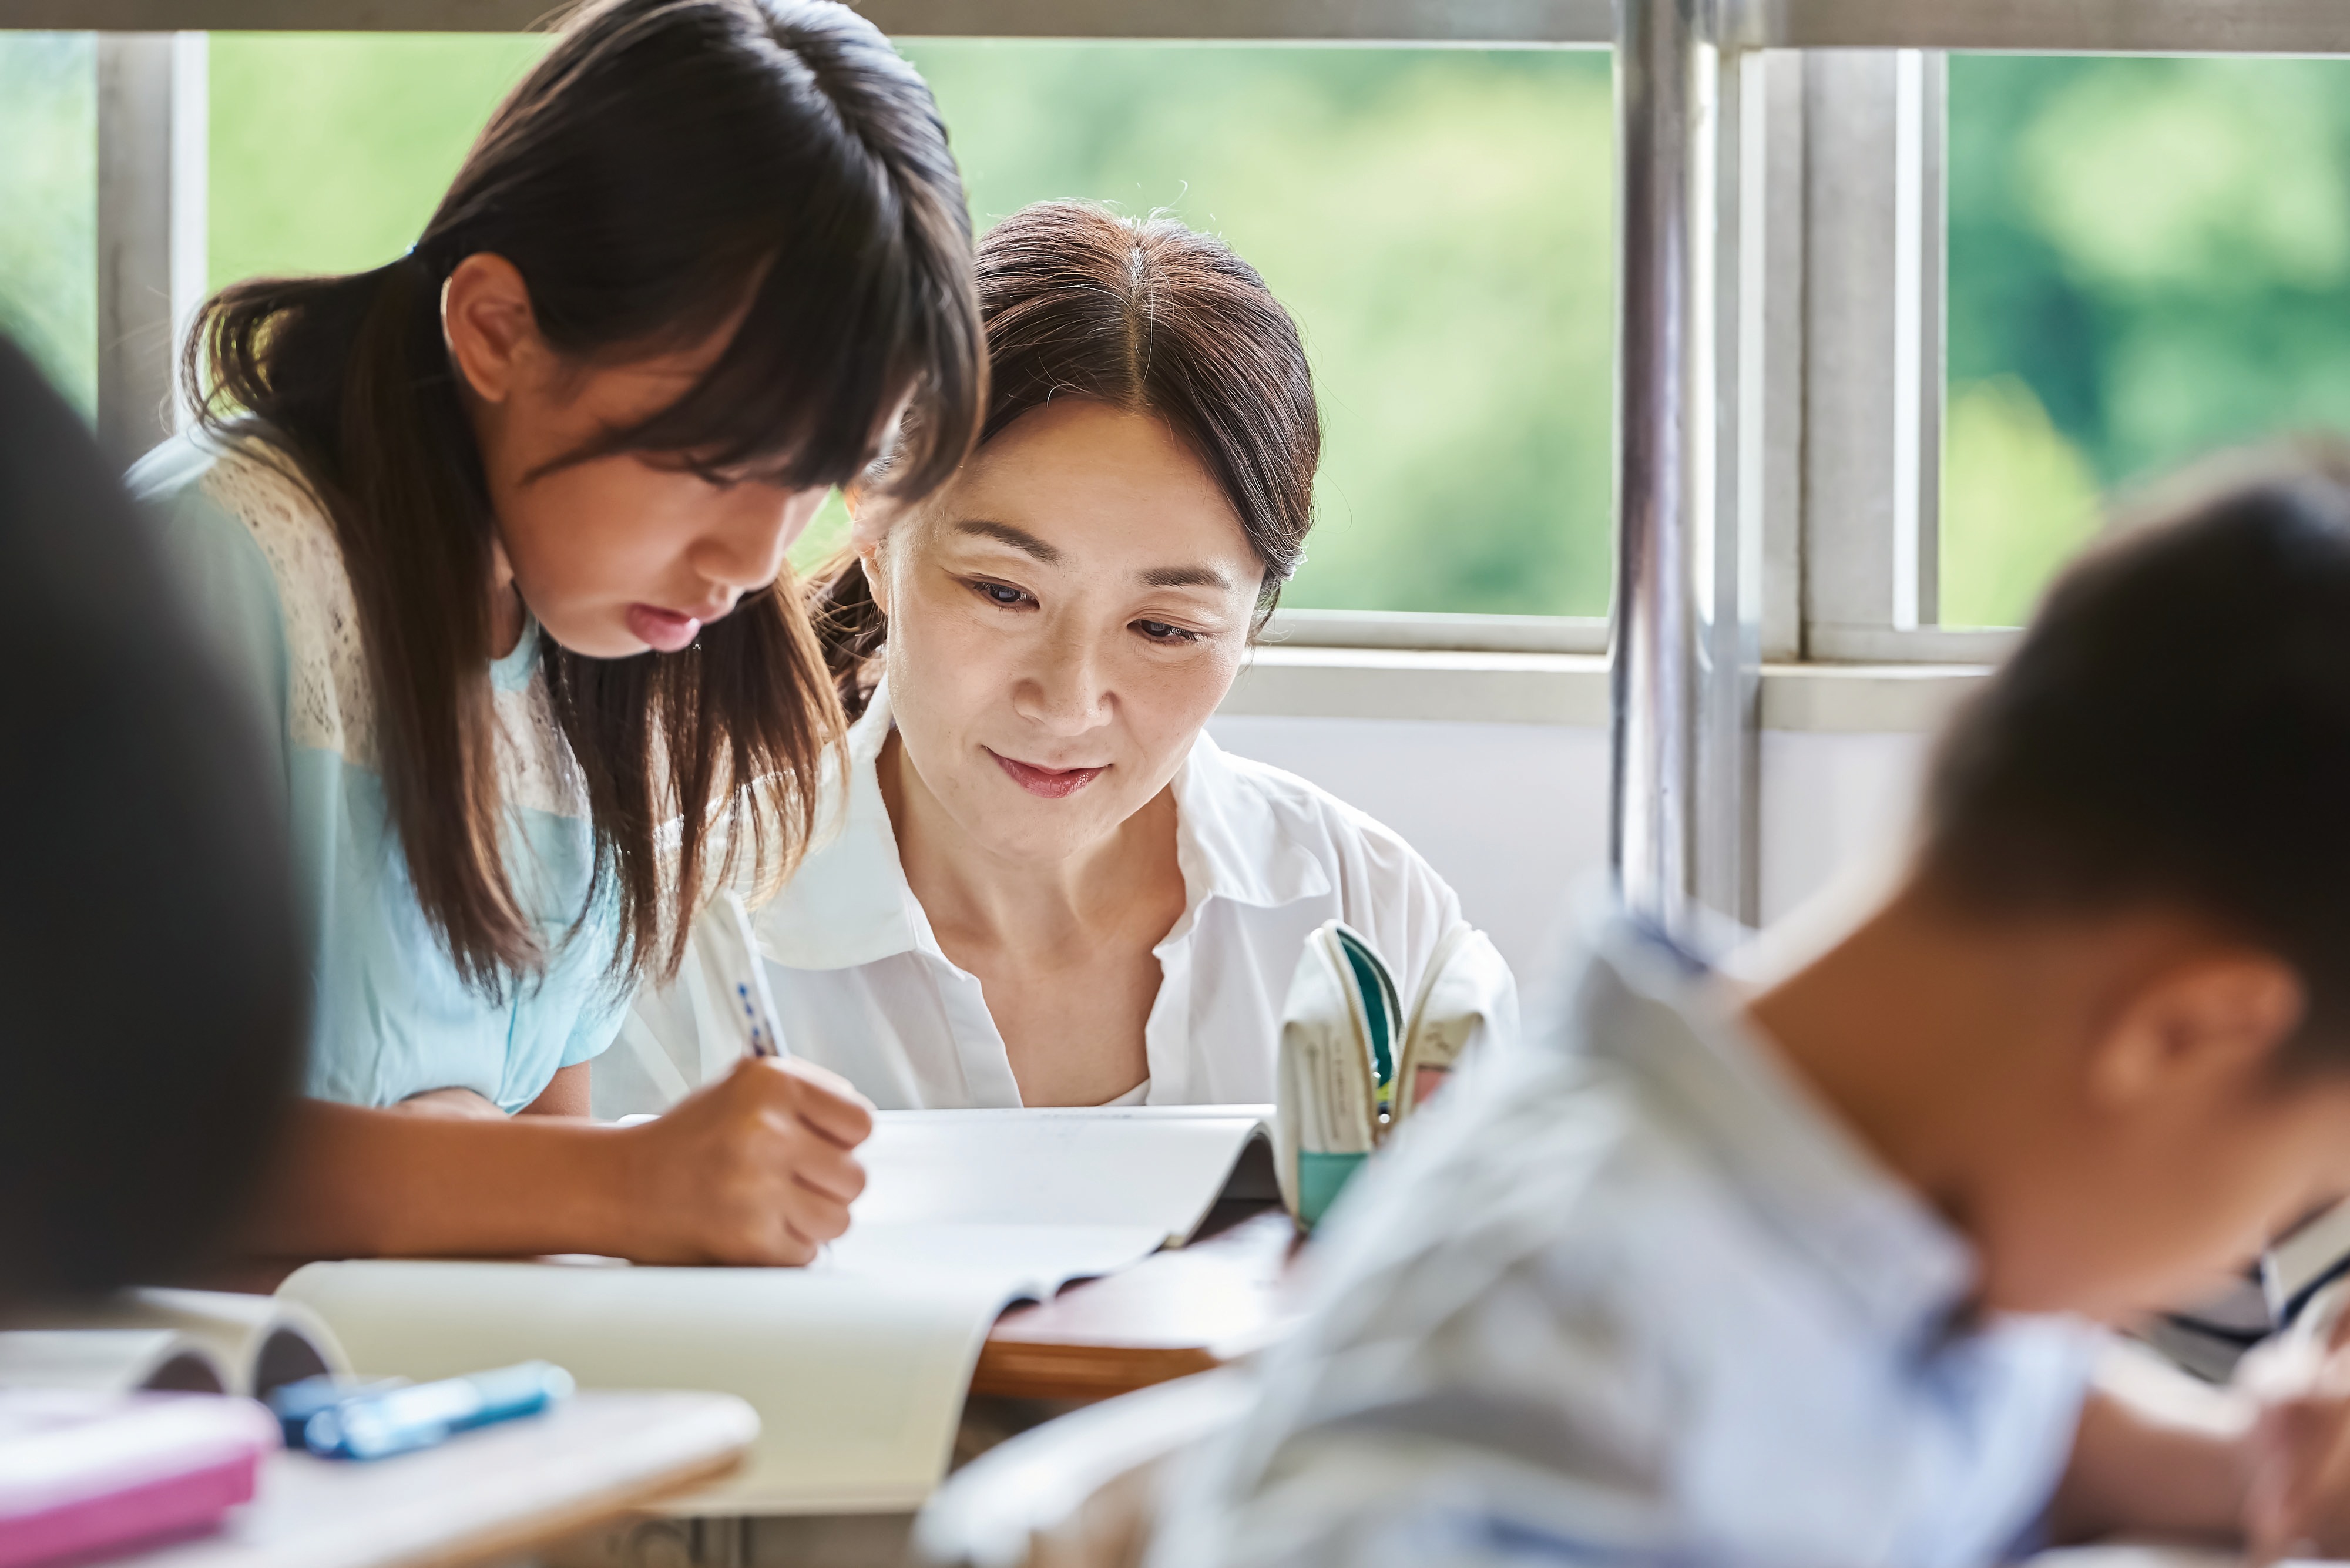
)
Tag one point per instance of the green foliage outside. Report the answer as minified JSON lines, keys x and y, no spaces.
{"x":330,"y":151}
{"x":2149,"y":259}
{"x":1438,"y":220}
{"x":48,"y":207}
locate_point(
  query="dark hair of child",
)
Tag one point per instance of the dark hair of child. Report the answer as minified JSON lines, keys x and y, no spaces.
{"x":668,"y":163}
{"x":2175,"y":728}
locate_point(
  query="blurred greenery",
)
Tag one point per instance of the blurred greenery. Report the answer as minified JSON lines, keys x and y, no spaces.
{"x":1437,"y":219}
{"x":2149,"y":258}
{"x":48,"y":206}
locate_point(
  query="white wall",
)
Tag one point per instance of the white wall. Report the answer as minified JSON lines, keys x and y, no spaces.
{"x":1512,"y":814}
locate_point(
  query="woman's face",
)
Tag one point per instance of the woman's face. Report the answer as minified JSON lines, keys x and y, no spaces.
{"x":1063,"y":616}
{"x":620,"y":553}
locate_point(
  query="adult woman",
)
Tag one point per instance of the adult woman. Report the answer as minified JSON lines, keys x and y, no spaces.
{"x":1049,"y":886}
{"x":495,"y":529}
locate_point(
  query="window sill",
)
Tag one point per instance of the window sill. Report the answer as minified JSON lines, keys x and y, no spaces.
{"x":1570,"y":689}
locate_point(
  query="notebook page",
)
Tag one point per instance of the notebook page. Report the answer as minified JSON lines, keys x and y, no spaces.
{"x":1159,"y":1168}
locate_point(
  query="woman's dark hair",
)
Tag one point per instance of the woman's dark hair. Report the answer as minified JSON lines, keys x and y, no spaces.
{"x":1144,"y":315}
{"x":2175,"y":728}
{"x":149,"y":947}
{"x":669,"y":163}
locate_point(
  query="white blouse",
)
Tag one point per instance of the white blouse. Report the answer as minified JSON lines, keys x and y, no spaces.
{"x":862,"y":987}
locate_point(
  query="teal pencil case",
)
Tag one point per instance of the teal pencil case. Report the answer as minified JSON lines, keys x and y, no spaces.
{"x":1355,"y":1063}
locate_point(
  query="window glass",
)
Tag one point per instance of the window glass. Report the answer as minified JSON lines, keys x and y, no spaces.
{"x":1439,"y":221}
{"x":48,"y":206}
{"x":2149,"y":258}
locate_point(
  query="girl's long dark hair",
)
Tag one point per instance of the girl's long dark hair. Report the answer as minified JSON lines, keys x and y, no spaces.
{"x":1146,"y":315}
{"x":666,"y":162}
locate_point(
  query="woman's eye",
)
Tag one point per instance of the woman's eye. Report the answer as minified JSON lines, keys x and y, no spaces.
{"x":998,"y":593}
{"x":1160,"y":631}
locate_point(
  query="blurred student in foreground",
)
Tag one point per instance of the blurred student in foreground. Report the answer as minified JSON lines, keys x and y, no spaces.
{"x":1796,"y":1271}
{"x":148,"y":953}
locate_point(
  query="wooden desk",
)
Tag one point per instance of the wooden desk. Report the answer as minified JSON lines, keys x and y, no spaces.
{"x":481,"y":1496}
{"x":1173,"y":1314}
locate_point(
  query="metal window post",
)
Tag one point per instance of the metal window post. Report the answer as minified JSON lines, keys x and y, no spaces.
{"x":1694,"y":462}
{"x":152,"y":147}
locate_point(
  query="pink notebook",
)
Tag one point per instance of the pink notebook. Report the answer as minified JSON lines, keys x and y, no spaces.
{"x":85,"y":1473}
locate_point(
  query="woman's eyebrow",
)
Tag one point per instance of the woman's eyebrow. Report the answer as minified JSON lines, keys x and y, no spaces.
{"x":1186,"y":577}
{"x":1018,"y":538}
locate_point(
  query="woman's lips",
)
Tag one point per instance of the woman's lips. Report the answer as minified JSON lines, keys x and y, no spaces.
{"x":1053,"y":783}
{"x":664,"y":629}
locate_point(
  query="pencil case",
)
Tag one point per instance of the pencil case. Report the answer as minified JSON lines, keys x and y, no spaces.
{"x":85,"y":1474}
{"x":1355,"y":1063}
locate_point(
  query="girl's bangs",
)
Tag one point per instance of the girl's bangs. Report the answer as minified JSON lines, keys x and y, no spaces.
{"x":803,"y":394}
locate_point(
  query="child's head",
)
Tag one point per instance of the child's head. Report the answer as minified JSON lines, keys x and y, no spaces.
{"x":2153,"y":797}
{"x":1064,"y":614}
{"x":695,"y":266}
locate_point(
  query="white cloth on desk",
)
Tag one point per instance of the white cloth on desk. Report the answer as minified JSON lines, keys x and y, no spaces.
{"x":1631,"y":1295}
{"x":862,"y":987}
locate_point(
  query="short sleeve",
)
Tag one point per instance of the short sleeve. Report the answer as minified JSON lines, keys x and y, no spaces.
{"x":593,"y":1034}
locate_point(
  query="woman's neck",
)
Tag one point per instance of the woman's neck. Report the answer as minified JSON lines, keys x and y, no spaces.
{"x":1123,"y":891}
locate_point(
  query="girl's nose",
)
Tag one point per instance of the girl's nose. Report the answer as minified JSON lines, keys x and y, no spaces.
{"x":745,"y":550}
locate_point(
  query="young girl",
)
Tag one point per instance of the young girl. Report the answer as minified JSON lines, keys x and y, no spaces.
{"x":497,"y":531}
{"x":1047,"y":886}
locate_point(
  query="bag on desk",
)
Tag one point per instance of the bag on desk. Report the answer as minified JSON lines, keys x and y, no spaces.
{"x":1354,"y":1065}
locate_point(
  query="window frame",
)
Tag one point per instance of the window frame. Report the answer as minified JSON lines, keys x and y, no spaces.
{"x":1781,"y":251}
{"x":1849,"y":501}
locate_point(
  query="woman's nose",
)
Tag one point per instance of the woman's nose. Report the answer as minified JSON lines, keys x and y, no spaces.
{"x":1063,"y":691}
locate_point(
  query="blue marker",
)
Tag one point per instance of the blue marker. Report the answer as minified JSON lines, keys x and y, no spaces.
{"x":295,"y":1403}
{"x":399,"y":1420}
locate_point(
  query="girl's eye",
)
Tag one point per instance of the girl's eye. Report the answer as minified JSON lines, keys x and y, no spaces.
{"x":1160,"y":631}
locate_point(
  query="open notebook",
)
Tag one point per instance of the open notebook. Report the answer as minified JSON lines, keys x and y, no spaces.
{"x":858,"y":1365}
{"x":199,"y":1341}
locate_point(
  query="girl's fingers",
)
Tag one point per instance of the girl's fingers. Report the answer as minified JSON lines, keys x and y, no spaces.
{"x":831,"y":1108}
{"x":830,"y":1173}
{"x":817,"y":1216}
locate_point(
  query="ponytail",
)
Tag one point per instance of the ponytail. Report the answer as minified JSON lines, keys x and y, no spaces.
{"x":850,"y":626}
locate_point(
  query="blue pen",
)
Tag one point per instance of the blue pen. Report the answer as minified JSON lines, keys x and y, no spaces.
{"x":401,"y":1420}
{"x":754,"y":1004}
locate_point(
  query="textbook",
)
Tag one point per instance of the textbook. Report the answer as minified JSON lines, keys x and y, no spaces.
{"x":196,"y":1342}
{"x":858,"y":1363}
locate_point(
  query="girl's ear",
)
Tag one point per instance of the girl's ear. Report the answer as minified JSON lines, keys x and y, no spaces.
{"x":487,"y":320}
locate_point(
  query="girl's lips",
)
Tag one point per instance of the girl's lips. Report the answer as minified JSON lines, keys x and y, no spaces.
{"x":664,"y":629}
{"x":1053,"y":783}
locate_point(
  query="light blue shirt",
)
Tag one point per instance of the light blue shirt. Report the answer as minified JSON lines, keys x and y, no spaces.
{"x":1633,"y":1295}
{"x":257,"y":557}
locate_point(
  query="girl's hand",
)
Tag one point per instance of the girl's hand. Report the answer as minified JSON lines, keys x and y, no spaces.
{"x":754,"y":1168}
